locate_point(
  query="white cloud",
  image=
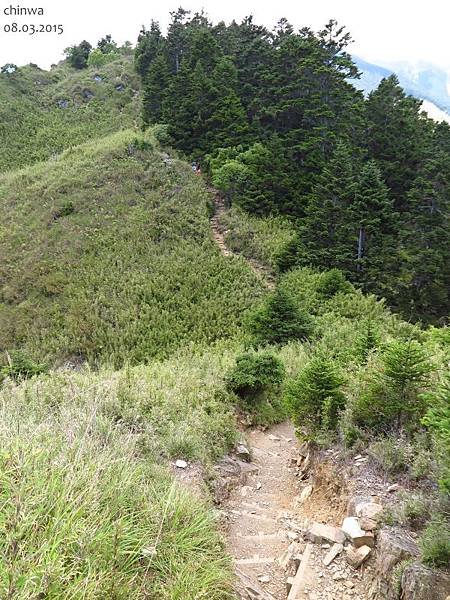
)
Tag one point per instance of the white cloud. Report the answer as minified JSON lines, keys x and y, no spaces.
{"x":385,"y":31}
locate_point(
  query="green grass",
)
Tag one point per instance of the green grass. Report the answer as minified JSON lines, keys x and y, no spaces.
{"x":129,"y":273}
{"x":88,"y":511}
{"x":33,"y":126}
{"x":253,"y":237}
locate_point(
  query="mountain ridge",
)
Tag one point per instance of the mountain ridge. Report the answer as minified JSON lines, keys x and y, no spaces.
{"x":426,"y":82}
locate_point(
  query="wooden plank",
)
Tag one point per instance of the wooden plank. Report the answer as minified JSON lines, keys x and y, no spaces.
{"x":299,"y":579}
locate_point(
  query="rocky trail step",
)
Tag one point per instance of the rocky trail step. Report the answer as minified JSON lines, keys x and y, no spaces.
{"x":278,"y":554}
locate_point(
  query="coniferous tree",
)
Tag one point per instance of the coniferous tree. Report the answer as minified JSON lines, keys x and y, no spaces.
{"x":373,"y":222}
{"x":150,"y":43}
{"x":226,"y":125}
{"x":323,"y":233}
{"x":315,"y":397}
{"x":395,"y":136}
{"x":278,"y":320}
{"x":425,"y":242}
{"x":154,"y":89}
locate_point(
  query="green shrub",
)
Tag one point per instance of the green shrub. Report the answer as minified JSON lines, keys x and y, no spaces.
{"x":406,"y":370}
{"x":278,"y":320}
{"x":97,"y":58}
{"x":391,"y":397}
{"x":331,"y":283}
{"x":389,"y":454}
{"x":255,"y":373}
{"x":437,"y":419}
{"x":367,"y":341}
{"x":287,"y":257}
{"x":435,"y":543}
{"x":315,"y":397}
{"x":413,"y":511}
{"x":20,"y":366}
{"x":161,"y":134}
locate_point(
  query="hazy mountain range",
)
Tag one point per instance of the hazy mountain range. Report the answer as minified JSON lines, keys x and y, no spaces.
{"x":425,"y":81}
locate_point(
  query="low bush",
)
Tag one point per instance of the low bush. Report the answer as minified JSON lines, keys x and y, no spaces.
{"x":20,"y":366}
{"x":333,"y":282}
{"x":413,"y":511}
{"x":367,"y":341}
{"x":255,"y":373}
{"x":435,"y":542}
{"x":391,"y":397}
{"x":389,"y":454}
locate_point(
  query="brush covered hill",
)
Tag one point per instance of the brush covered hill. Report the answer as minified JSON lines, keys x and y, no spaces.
{"x":106,"y":254}
{"x":44,"y":112}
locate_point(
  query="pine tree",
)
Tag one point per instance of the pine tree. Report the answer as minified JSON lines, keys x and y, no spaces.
{"x":315,"y":397}
{"x":155,"y":89}
{"x":425,"y":242}
{"x":149,"y":46}
{"x":372,"y":221}
{"x":323,"y":233}
{"x":278,"y":320}
{"x":396,"y":136}
{"x":406,"y":371}
{"x":227,"y":123}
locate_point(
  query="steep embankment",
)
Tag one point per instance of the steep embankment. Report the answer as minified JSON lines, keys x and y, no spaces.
{"x":106,"y":254}
{"x":44,"y":112}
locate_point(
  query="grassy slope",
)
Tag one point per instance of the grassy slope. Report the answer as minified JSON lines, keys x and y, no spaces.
{"x":32,"y":125}
{"x":99,"y":516}
{"x":254,"y":237}
{"x":130,"y":274}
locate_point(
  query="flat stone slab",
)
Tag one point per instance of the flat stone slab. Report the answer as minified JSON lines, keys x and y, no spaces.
{"x":318,"y":532}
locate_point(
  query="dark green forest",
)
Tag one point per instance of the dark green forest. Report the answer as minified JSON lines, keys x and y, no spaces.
{"x":273,"y":119}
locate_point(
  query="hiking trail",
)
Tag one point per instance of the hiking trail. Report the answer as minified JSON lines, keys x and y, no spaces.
{"x":265,"y":523}
{"x":218,"y":234}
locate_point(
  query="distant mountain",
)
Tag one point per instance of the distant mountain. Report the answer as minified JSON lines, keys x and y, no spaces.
{"x":426,"y":82}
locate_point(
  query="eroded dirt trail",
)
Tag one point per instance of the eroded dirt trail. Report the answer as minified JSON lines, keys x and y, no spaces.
{"x":260,"y":514}
{"x":218,"y":235}
{"x":266,"y":525}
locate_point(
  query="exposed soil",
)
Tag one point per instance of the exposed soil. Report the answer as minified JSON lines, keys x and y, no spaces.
{"x":218,"y":233}
{"x":265,"y":516}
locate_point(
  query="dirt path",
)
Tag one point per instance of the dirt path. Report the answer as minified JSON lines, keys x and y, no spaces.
{"x":262,"y":272}
{"x":265,"y":519}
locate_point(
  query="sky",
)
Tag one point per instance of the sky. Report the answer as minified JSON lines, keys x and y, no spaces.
{"x":385,"y":31}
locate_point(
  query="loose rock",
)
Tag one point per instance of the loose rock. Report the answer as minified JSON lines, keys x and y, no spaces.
{"x":243,"y":452}
{"x":318,"y":532}
{"x":356,"y":556}
{"x":334,"y":551}
{"x":355,"y":534}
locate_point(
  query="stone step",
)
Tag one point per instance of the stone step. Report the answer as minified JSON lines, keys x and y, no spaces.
{"x":255,"y":560}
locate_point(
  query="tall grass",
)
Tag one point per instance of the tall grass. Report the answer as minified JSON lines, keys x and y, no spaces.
{"x":256,"y":238}
{"x":88,"y":510}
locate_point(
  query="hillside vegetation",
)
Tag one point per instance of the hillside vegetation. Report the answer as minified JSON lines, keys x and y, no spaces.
{"x":106,"y":255}
{"x":44,"y":112}
{"x":275,"y":120}
{"x":129,"y":340}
